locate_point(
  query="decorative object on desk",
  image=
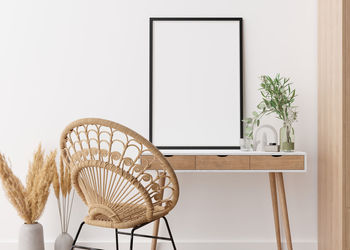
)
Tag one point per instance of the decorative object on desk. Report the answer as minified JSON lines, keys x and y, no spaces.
{"x":246,"y":144}
{"x":287,"y":137}
{"x":250,"y":123}
{"x":264,"y":142}
{"x":63,"y":191}
{"x":184,"y":55}
{"x":30,"y":201}
{"x":278,"y":98}
{"x":272,"y":147}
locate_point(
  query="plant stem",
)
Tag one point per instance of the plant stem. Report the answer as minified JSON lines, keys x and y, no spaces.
{"x":60,"y":212}
{"x":70,"y":210}
{"x":64,"y":213}
{"x":67,"y":208}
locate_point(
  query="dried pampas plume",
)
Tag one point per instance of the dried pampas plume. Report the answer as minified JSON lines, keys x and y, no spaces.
{"x":30,"y":201}
{"x":56,"y":184}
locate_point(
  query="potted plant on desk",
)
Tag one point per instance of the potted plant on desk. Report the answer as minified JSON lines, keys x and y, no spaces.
{"x":30,"y":201}
{"x":278,"y":98}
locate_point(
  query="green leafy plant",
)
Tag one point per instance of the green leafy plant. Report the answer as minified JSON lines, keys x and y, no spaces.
{"x":277,"y":97}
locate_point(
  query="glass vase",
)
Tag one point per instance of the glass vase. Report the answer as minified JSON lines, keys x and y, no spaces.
{"x":287,"y":138}
{"x":246,"y":144}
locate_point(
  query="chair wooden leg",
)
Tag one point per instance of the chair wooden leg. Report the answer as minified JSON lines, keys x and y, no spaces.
{"x":156,"y":223}
{"x":155,"y":233}
{"x":272,"y":178}
{"x":283,"y":204}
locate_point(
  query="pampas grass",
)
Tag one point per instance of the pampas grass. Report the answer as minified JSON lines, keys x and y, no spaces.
{"x":62,"y":186}
{"x":29,"y":201}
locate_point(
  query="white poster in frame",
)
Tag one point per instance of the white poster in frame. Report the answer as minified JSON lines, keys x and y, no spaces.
{"x":196,"y":83}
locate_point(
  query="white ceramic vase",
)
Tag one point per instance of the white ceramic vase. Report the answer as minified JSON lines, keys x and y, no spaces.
{"x":63,"y":242}
{"x":31,"y":237}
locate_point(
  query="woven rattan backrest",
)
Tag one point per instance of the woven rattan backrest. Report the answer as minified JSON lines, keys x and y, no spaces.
{"x":112,"y":165}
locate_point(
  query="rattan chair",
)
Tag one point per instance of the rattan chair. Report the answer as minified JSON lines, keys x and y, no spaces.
{"x":122,"y":177}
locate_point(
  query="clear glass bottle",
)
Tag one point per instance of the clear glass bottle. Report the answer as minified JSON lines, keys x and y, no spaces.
{"x":287,"y":137}
{"x":246,"y":144}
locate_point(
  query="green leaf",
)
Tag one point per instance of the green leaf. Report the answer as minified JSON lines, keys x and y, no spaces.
{"x":261,"y":105}
{"x":267,"y":103}
{"x":293,"y":94}
{"x":277,"y":94}
{"x":247,"y":121}
{"x":273,"y":103}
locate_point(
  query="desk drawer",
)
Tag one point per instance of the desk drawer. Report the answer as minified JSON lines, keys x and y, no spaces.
{"x":178,"y":162}
{"x":182,"y":162}
{"x":230,"y":162}
{"x":285,"y":162}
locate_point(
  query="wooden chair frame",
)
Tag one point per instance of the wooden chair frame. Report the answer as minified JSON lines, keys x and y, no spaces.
{"x":123,"y":178}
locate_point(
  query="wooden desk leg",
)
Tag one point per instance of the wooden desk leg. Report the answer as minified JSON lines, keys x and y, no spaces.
{"x":283,"y":204}
{"x":272,"y":178}
{"x":156,"y":223}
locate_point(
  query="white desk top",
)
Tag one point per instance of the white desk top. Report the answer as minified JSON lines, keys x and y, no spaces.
{"x":232,"y":152}
{"x":224,"y":152}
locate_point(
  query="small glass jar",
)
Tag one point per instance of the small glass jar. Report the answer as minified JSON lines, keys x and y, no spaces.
{"x":246,"y":144}
{"x":287,"y":137}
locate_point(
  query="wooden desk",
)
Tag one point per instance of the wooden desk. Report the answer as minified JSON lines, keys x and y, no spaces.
{"x":274,"y":164}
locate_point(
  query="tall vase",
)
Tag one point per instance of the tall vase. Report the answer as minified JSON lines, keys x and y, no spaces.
{"x":64,"y":242}
{"x":287,"y":137}
{"x":31,"y":237}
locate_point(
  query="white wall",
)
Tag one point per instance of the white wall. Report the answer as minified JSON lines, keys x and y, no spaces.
{"x":62,"y":60}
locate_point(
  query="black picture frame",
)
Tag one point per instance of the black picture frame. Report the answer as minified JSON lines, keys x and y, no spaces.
{"x":152,"y":20}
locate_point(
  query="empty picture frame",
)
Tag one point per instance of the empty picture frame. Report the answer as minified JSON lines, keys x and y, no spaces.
{"x":196,"y":83}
